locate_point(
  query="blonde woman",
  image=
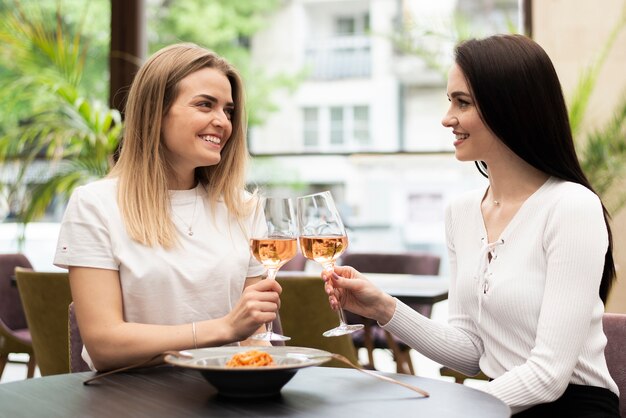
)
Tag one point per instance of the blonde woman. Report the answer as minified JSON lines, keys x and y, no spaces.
{"x":157,"y":252}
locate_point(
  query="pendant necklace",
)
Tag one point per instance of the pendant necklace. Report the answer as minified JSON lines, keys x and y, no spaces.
{"x":193,"y":215}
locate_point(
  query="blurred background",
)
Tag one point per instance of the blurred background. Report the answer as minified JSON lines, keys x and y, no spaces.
{"x":343,"y":95}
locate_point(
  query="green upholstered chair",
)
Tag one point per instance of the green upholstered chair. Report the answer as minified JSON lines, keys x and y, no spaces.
{"x":45,"y":298}
{"x":305,"y":314}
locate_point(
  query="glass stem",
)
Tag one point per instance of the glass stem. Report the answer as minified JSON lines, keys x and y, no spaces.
{"x":271,"y":275}
{"x":330,"y":267}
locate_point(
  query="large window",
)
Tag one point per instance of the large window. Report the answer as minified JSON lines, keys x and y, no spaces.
{"x":336,"y":128}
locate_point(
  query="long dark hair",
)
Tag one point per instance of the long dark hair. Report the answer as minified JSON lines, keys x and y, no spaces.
{"x":519,"y":98}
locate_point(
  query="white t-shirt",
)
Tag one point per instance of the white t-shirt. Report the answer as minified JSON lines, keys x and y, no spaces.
{"x":201,"y":278}
{"x":531,"y":318}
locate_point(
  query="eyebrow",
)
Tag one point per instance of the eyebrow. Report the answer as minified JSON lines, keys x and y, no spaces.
{"x":212,"y":99}
{"x":459,"y":93}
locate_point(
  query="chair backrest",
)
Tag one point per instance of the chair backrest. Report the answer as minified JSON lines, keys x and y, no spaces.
{"x":615,"y":330}
{"x":305,"y":314}
{"x":298,"y":263}
{"x":401,"y":263}
{"x":11,"y":311}
{"x":75,"y":341}
{"x":46,"y":297}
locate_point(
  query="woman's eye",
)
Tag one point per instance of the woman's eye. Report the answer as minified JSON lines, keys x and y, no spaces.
{"x":229,"y":112}
{"x":463,"y":104}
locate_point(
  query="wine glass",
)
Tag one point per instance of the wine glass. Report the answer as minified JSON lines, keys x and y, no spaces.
{"x":275,"y":246}
{"x":323,"y":239}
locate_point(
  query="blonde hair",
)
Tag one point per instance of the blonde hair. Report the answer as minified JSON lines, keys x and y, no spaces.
{"x":142,"y":168}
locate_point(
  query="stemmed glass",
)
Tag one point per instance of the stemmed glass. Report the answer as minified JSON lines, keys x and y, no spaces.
{"x":275,"y":246}
{"x":323,"y":239}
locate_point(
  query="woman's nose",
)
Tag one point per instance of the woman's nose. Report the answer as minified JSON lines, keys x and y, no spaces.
{"x":219,"y":118}
{"x":449,"y":120}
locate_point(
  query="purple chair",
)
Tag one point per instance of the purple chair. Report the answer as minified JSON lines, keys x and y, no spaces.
{"x":295,"y":264}
{"x":615,"y":330}
{"x":14,"y":333}
{"x":77,"y":364}
{"x":372,"y":336}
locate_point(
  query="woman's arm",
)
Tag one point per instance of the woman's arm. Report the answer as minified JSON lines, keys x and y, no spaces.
{"x":112,"y":342}
{"x":443,"y":343}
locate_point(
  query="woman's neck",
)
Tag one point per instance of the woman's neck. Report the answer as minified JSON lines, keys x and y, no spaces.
{"x":187,"y":182}
{"x":513,"y":180}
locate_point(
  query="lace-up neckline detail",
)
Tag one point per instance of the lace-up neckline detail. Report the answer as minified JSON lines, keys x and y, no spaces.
{"x":483,"y":274}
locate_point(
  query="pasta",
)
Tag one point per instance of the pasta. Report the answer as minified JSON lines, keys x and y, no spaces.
{"x":252,"y":358}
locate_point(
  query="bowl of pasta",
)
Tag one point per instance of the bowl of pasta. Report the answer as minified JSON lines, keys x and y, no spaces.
{"x":249,"y":372}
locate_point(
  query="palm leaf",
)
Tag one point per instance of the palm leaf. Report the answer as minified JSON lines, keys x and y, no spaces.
{"x":74,"y":134}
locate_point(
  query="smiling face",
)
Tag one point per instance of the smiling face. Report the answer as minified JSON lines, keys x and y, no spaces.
{"x":474,"y":141}
{"x":198,"y":123}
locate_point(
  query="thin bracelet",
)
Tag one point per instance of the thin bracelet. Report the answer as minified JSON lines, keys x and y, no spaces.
{"x":193,"y":331}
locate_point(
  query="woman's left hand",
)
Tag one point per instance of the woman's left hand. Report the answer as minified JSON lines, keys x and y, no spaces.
{"x":349,"y":289}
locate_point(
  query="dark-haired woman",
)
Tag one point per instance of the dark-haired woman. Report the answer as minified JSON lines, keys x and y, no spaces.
{"x":531,"y":254}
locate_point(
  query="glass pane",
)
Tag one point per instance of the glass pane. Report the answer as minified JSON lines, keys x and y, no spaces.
{"x":311,"y":126}
{"x":361,"y":132}
{"x":344,"y":26}
{"x":336,"y":125}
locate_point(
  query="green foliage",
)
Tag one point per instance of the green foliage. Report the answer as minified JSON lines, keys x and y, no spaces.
{"x":602,"y":152}
{"x":44,"y":60}
{"x":225,"y":27}
{"x":588,"y":79}
{"x":603,"y":159}
{"x":53,"y":85}
{"x":431,"y":40}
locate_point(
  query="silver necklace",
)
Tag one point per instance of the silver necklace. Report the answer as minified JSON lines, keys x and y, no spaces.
{"x":193,"y":215}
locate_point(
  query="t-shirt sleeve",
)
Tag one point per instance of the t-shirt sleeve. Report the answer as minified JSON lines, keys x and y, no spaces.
{"x":84,"y":237}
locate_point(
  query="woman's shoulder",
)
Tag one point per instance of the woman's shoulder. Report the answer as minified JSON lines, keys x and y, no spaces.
{"x":569,"y":192}
{"x":467,"y":199}
{"x":101,"y":189}
{"x":105,"y":184}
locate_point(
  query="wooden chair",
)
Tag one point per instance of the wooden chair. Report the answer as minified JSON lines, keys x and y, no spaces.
{"x":14,"y":333}
{"x":615,"y":330}
{"x":46,"y":297}
{"x":305,"y":314}
{"x":372,"y":336}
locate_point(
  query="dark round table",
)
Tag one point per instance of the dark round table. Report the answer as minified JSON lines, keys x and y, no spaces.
{"x":174,"y":392}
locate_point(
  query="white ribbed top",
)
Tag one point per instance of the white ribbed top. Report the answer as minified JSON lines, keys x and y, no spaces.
{"x":531,"y":318}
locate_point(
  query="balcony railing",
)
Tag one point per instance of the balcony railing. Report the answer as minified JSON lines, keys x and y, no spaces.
{"x":339,"y":57}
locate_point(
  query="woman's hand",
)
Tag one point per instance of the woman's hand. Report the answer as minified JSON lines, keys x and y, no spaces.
{"x":258,"y":305}
{"x":349,"y":289}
